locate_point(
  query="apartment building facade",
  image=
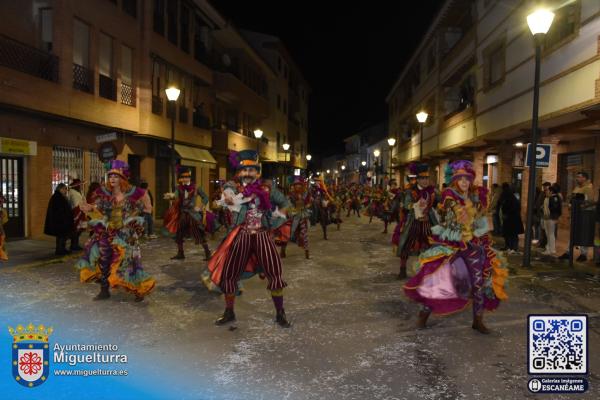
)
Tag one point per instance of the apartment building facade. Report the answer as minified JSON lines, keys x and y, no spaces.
{"x":473,"y":74}
{"x":74,"y":72}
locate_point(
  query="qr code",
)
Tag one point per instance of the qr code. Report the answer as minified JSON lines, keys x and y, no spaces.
{"x":557,"y":344}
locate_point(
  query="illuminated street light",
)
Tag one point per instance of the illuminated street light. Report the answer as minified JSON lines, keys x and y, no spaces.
{"x":308,"y":157}
{"x":539,"y":23}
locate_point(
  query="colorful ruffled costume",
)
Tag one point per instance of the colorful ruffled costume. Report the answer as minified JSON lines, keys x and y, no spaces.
{"x":461,"y":266}
{"x":112,"y":255}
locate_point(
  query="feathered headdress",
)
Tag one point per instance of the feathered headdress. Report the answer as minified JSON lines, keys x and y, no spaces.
{"x":117,"y":167}
{"x":460,"y":168}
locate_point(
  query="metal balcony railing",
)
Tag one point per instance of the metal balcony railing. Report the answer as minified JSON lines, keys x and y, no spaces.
{"x":183,"y":114}
{"x":157,"y":105}
{"x":127,"y":94}
{"x":83,"y":78}
{"x":27,"y":59}
{"x":107,"y":88}
{"x":200,"y":120}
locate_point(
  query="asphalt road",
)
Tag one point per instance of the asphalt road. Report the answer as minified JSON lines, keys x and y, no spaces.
{"x":352,"y":337}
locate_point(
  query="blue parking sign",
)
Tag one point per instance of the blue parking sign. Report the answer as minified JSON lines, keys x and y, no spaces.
{"x":542,"y":155}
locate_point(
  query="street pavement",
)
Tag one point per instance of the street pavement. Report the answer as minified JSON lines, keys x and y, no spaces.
{"x":353,"y":334}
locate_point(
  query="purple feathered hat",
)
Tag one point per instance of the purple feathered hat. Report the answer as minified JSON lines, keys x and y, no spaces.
{"x":118,"y":167}
{"x":462,"y":168}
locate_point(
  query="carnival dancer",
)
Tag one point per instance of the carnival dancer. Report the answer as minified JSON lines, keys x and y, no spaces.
{"x":187,"y":215}
{"x":411,"y":235}
{"x":354,"y":200}
{"x":112,"y":255}
{"x":299,"y":214}
{"x":325,"y":207}
{"x":3,"y":220}
{"x":461,"y":266}
{"x":249,"y":248}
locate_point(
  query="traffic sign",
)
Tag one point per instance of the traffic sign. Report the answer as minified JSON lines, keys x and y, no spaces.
{"x":542,"y":155}
{"x":107,"y":152}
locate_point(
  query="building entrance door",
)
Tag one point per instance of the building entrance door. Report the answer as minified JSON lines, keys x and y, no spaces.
{"x":11,"y":181}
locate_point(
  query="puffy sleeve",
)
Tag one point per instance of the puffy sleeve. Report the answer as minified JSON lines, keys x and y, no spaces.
{"x":203,"y":196}
{"x":277,"y":198}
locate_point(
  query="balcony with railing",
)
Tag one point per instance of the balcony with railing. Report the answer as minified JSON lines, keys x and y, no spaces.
{"x":107,"y":87}
{"x":83,"y":78}
{"x":183,"y":114}
{"x":29,"y":60}
{"x":157,"y":105}
{"x":200,"y":120}
{"x":127,"y":94}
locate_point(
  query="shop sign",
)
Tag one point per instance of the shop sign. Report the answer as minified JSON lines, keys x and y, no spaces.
{"x":17,"y":146}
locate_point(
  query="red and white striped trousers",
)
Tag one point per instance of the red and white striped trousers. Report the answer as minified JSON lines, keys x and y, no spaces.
{"x":244,"y":246}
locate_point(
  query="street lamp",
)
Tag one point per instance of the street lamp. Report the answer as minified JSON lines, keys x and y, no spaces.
{"x":258,"y":134}
{"x":376,"y":153}
{"x":328,"y":171}
{"x":422,"y":118}
{"x":539,"y":23}
{"x":286,"y":147}
{"x":363,"y":163}
{"x":173,"y":94}
{"x":308,"y":157}
{"x":391,"y":143}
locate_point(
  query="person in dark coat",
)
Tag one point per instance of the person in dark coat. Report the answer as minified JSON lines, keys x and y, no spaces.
{"x":512,"y":225}
{"x":59,"y":219}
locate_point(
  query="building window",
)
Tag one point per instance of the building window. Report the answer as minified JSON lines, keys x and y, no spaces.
{"x":564,"y":27}
{"x":46,"y":29}
{"x":67,"y":164}
{"x":107,"y":83}
{"x":130,"y":7}
{"x":83,"y":78}
{"x":172,"y":21}
{"x":185,"y":29}
{"x":157,"y":105}
{"x":201,"y":40}
{"x":127,"y":88}
{"x":494,"y":64}
{"x":159,"y":17}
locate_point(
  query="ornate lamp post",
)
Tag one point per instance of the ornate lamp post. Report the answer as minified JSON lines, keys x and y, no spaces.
{"x":422,"y":118}
{"x":172,"y":95}
{"x":539,"y":23}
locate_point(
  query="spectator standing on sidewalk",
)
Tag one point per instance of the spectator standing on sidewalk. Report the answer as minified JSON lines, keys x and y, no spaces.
{"x":538,"y":212}
{"x":59,"y":219}
{"x":495,"y":210}
{"x":512,"y":225}
{"x":148,"y":220}
{"x":551,"y":211}
{"x":585,"y":190}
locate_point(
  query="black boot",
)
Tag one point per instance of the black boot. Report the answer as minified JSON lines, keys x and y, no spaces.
{"x":207,"y":253}
{"x":422,"y":320}
{"x":104,"y":293}
{"x":179,"y":256}
{"x":283,"y":251}
{"x":281,"y":319}
{"x":402,"y":274}
{"x":228,"y":316}
{"x":478,"y":325}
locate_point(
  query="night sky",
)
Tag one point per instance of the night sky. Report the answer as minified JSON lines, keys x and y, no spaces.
{"x":350,"y":52}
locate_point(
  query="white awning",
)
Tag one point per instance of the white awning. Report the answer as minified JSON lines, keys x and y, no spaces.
{"x":202,"y":156}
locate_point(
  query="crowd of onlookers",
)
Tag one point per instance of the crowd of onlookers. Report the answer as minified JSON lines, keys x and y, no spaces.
{"x":505,"y":210}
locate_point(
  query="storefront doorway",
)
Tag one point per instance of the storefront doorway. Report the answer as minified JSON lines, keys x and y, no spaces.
{"x":11,"y":180}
